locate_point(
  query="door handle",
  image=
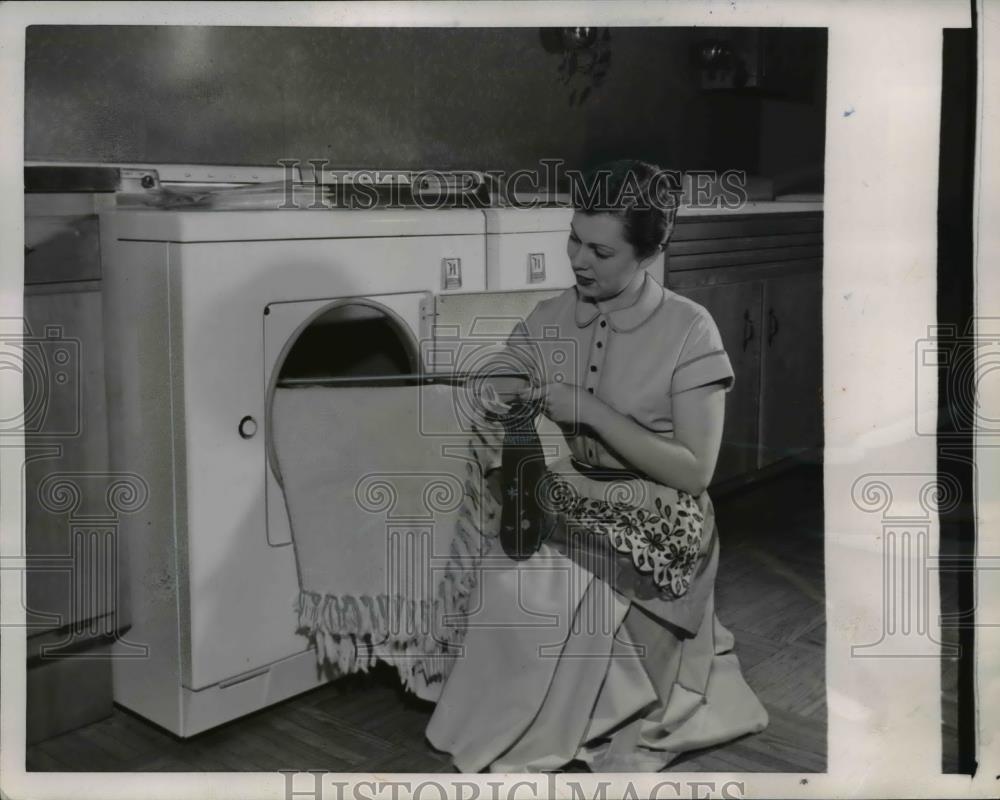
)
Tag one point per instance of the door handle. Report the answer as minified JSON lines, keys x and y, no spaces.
{"x":748,"y":329}
{"x":772,"y":326}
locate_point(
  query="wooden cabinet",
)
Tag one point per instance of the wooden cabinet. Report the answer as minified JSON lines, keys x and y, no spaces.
{"x":760,"y":277}
{"x":75,"y":587}
{"x":735,"y":307}
{"x":791,"y":404}
{"x":66,"y":450}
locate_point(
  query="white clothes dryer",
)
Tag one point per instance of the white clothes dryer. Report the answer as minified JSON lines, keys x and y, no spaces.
{"x":203,"y":311}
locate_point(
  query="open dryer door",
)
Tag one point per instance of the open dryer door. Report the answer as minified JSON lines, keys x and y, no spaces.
{"x":469,"y":327}
{"x":352,"y":340}
{"x":480,"y":316}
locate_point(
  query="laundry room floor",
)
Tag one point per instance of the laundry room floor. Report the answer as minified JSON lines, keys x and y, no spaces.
{"x":769,"y":594}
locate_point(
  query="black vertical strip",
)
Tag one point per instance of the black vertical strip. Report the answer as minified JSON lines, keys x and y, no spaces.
{"x":956,"y":392}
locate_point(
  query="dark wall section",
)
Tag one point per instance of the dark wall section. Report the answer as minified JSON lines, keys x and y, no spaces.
{"x":412,"y":98}
{"x":360,"y":97}
{"x":793,"y":131}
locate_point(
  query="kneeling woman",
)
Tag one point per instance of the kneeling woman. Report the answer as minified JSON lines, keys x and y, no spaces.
{"x":604,"y":645}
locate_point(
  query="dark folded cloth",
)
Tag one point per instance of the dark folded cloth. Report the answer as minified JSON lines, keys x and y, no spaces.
{"x":522,"y":468}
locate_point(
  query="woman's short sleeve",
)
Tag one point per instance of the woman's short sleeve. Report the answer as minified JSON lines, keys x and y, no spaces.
{"x":702,"y":359}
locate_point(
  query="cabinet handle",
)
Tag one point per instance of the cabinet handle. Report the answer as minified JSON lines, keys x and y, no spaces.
{"x":772,"y":324}
{"x":748,"y":331}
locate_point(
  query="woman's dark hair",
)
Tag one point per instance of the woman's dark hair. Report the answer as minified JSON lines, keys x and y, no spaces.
{"x":644,"y":196}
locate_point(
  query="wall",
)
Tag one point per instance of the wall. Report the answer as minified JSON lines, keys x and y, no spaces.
{"x":413,"y":98}
{"x":793,"y":131}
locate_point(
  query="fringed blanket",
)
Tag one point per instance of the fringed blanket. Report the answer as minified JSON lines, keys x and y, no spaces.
{"x":389,"y":520}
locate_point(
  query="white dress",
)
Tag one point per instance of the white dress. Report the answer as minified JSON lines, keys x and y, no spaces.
{"x":559,"y":665}
{"x":573,"y":653}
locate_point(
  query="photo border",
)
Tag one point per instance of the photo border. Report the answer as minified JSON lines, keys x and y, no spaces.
{"x":880,"y":237}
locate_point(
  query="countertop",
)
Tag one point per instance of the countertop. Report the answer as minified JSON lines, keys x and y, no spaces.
{"x":755,"y":207}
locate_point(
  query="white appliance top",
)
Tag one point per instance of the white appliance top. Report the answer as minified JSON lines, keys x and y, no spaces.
{"x":208,"y":225}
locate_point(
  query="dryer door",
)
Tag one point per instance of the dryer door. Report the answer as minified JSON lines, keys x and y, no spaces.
{"x":349,"y":339}
{"x":470,"y":328}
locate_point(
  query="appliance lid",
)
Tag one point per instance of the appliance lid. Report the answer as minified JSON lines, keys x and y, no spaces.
{"x":527,"y":220}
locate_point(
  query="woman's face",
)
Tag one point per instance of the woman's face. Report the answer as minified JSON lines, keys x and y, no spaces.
{"x":603,"y":261}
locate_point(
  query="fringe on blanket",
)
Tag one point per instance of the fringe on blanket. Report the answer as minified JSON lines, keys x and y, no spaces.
{"x":420,"y":638}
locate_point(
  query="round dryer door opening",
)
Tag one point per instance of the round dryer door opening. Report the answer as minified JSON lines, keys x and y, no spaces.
{"x":343,"y":342}
{"x":349,"y":341}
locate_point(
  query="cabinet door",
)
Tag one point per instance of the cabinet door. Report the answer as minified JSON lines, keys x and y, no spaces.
{"x":736,"y":309}
{"x":791,"y":413}
{"x":67,"y":484}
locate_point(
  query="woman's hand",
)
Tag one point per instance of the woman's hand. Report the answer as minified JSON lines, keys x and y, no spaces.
{"x":564,"y":403}
{"x":686,"y":460}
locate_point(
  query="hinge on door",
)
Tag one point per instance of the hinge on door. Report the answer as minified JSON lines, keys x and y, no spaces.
{"x":428,"y":315}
